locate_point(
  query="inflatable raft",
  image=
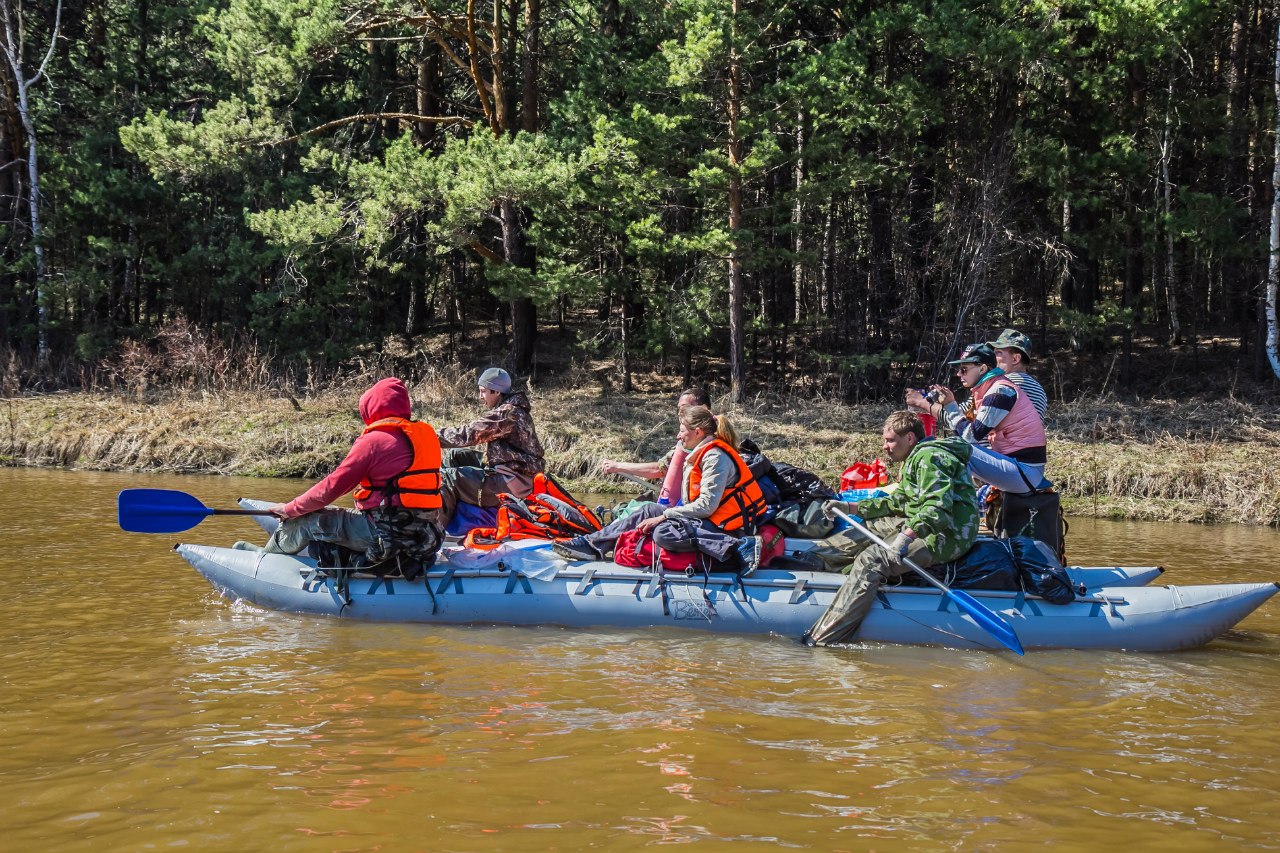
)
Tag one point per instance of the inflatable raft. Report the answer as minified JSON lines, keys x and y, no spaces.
{"x":528,"y":585}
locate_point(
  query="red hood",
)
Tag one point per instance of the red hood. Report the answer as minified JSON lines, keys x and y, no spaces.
{"x":387,"y":399}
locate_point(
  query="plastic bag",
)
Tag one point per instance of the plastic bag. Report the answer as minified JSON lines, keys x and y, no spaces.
{"x":1041,"y":572}
{"x":989,"y":564}
{"x":864,"y":475}
{"x":803,"y":520}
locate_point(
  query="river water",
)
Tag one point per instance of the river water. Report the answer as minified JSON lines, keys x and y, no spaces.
{"x":140,"y":711}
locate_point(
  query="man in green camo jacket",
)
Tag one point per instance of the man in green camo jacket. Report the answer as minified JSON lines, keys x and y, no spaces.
{"x":931,"y":518}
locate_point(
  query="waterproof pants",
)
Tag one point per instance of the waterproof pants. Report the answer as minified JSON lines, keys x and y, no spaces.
{"x":674,"y":534}
{"x":870,"y":566}
{"x":349,"y":528}
{"x":1006,"y":473}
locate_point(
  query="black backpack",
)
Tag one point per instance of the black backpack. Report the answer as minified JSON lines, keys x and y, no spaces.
{"x":797,"y":484}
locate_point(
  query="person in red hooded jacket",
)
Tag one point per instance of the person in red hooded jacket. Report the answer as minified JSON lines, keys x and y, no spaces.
{"x":393,"y":468}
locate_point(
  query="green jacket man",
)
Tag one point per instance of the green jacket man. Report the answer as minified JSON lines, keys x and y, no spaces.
{"x":931,"y":518}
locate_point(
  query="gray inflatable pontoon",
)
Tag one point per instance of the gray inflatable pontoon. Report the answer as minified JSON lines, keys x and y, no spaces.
{"x":528,"y":585}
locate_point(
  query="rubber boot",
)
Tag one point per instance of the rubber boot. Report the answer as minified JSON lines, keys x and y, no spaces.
{"x":852,"y":603}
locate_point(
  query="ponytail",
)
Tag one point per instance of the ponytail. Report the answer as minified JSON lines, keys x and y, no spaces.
{"x":725,"y":431}
{"x":700,"y":417}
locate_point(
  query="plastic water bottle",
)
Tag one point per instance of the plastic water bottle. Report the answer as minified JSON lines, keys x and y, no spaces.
{"x":664,"y":501}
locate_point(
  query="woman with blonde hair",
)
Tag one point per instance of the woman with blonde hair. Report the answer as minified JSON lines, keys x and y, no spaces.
{"x":720,"y":501}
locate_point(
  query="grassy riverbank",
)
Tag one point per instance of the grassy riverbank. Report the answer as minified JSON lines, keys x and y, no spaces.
{"x":1149,"y":459}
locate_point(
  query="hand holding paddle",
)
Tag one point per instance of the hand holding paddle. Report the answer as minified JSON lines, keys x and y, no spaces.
{"x":167,"y":511}
{"x":986,"y":618}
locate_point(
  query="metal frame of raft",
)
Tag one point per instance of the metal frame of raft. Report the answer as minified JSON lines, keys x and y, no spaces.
{"x":1140,"y":618}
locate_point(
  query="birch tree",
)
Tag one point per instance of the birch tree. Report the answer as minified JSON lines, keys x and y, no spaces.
{"x":14,"y":37}
{"x":1273,"y":265}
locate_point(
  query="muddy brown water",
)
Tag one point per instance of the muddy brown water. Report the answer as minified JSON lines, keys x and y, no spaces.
{"x":140,"y":711}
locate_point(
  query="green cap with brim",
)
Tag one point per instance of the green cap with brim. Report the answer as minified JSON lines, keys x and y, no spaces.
{"x":1013,"y":339}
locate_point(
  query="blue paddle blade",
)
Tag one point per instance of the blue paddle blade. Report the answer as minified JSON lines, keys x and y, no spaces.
{"x":159,"y":511}
{"x":986,"y":618}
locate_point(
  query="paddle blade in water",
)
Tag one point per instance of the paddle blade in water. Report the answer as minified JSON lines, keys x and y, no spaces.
{"x":159,"y":511}
{"x":987,"y":618}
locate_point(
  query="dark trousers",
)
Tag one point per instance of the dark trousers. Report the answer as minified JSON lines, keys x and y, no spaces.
{"x":464,"y":479}
{"x":674,"y":534}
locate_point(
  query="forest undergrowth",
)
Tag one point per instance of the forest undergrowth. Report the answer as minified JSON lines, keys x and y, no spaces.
{"x":1195,"y":458}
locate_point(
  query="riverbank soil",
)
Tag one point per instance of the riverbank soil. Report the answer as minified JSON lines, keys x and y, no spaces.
{"x":1151,"y":459}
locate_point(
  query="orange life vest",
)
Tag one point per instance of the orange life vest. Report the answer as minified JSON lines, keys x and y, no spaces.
{"x":549,"y":511}
{"x":418,"y":485}
{"x":741,"y":504}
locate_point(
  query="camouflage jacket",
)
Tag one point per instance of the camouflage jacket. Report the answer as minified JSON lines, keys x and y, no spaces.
{"x":507,"y":430}
{"x":937,"y":497}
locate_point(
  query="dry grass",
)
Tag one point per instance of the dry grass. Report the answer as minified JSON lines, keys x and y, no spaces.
{"x":1153,"y":459}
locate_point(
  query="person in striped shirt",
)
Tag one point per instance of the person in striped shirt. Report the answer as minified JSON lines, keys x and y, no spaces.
{"x":1002,"y":417}
{"x":1013,"y":354}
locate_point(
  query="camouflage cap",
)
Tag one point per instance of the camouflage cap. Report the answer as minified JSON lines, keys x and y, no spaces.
{"x":1013,"y":339}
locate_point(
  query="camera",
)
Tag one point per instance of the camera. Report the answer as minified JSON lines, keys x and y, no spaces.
{"x":929,"y":394}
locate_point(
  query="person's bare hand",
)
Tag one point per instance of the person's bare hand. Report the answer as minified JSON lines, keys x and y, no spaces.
{"x":648,"y":524}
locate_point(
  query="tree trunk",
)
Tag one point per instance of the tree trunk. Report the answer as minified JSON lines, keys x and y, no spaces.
{"x":737,"y":350}
{"x":427,"y":99}
{"x":1273,"y":264}
{"x":22,"y":87}
{"x":797,"y":223}
{"x":524,"y":314}
{"x":1170,"y":272}
{"x":627,"y":324}
{"x":532,"y":56}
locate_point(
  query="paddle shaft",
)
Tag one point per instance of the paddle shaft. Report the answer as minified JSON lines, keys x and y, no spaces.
{"x":639,"y":481}
{"x":885,"y":545}
{"x":984,"y":616}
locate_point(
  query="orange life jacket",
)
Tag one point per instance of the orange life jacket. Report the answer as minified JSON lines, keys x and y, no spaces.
{"x":741,"y":504}
{"x":418,"y":485}
{"x":510,"y":526}
{"x":548,"y":512}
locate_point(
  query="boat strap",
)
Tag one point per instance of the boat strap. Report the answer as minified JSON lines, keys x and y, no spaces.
{"x":426,"y":583}
{"x":1108,"y":600}
{"x":447,"y":579}
{"x":341,"y":585}
{"x":1021,"y":600}
{"x":706,"y":586}
{"x":341,"y":581}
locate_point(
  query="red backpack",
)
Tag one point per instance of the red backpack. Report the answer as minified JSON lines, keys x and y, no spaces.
{"x":773,"y":544}
{"x":635,"y":550}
